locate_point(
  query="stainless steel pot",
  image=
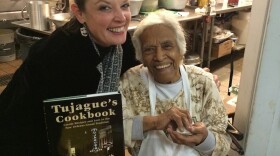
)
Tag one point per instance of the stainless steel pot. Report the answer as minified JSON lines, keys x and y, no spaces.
{"x":135,"y":6}
{"x":10,"y":10}
{"x":11,"y":5}
{"x":173,"y":4}
{"x":149,"y":5}
{"x":38,"y":12}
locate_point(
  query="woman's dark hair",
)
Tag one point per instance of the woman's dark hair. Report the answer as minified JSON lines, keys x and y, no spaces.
{"x":74,"y":25}
{"x":81,"y":4}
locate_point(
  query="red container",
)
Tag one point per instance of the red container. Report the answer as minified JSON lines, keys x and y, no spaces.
{"x":233,"y":2}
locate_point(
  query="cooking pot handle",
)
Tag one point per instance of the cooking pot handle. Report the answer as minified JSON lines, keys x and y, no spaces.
{"x":22,"y":13}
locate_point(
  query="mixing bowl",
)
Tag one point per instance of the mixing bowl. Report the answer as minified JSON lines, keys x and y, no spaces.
{"x":60,"y":19}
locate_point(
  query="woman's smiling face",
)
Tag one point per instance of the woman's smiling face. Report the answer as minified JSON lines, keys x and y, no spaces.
{"x":161,"y":53}
{"x":107,"y":20}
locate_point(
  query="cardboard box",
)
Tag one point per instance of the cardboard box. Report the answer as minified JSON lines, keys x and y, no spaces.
{"x":221,"y":49}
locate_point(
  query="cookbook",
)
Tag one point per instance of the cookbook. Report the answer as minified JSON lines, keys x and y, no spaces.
{"x":85,"y":125}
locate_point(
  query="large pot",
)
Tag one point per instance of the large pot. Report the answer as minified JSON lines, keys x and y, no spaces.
{"x":149,"y":5}
{"x":11,"y":5}
{"x":135,"y":6}
{"x":173,"y":4}
{"x":38,"y":12}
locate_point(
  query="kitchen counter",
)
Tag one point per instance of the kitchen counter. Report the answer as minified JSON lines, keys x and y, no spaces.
{"x":10,"y":16}
{"x":26,"y":24}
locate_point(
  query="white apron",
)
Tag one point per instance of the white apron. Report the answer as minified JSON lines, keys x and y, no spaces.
{"x":156,"y":142}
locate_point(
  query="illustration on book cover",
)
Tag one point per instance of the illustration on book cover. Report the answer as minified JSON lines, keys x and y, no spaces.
{"x":85,"y":125}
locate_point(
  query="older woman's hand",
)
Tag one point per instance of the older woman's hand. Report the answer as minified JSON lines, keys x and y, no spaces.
{"x":215,"y":77}
{"x":174,"y":117}
{"x":199,"y":134}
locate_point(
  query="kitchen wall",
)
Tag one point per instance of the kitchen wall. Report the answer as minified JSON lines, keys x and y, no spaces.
{"x":258,"y":109}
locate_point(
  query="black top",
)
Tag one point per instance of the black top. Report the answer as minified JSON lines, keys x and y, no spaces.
{"x":63,"y":64}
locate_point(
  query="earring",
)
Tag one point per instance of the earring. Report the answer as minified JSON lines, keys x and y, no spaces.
{"x":83,"y":30}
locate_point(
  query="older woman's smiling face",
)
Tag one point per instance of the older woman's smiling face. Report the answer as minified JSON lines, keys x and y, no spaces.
{"x":161,"y":53}
{"x":107,"y":20}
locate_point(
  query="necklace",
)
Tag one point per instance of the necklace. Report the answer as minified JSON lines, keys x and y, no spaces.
{"x":95,"y":47}
{"x":97,"y":50}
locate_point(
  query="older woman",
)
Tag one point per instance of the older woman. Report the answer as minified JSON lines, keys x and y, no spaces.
{"x":170,"y":108}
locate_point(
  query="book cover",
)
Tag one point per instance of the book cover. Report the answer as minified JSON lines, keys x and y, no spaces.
{"x":86,"y":125}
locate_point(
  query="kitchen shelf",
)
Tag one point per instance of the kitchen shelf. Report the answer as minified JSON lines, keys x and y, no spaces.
{"x":192,"y":16}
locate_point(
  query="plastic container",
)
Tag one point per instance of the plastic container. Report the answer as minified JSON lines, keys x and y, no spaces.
{"x":26,"y":38}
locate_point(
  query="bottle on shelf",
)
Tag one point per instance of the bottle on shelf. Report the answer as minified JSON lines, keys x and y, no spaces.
{"x":208,"y":9}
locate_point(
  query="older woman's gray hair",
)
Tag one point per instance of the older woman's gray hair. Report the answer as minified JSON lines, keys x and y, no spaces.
{"x":163,"y":17}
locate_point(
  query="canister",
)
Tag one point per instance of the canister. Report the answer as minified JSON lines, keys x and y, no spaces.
{"x":202,"y":3}
{"x":7,"y":45}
